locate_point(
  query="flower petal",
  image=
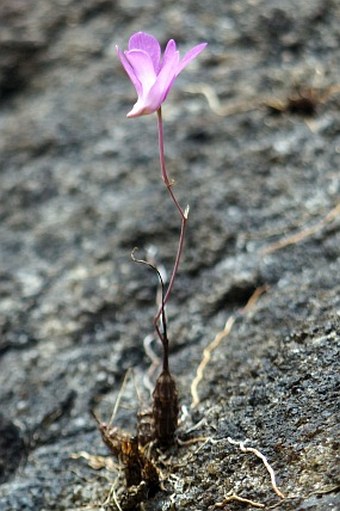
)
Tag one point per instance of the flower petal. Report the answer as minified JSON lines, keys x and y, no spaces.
{"x":142,"y":66}
{"x":149,"y":103}
{"x":149,"y":44}
{"x":168,"y":52}
{"x":139,"y":108}
{"x":129,"y":70}
{"x":165,"y":78}
{"x":152,"y":75}
{"x":189,"y":56}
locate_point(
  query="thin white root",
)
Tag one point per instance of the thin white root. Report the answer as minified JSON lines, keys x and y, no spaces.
{"x":265,"y":462}
{"x":229,"y":498}
{"x":113,"y":495}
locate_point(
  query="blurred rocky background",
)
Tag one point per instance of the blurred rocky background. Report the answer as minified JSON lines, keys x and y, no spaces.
{"x":252,"y":132}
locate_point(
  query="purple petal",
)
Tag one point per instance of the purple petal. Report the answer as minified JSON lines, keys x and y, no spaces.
{"x":165,"y":78}
{"x":151,"y":76}
{"x":129,"y":70}
{"x":168,"y":52}
{"x":189,"y":56}
{"x":138,"y":109}
{"x":149,"y":44}
{"x":142,"y":66}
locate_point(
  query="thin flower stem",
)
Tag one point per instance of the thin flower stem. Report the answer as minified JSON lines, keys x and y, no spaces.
{"x":168,"y":183}
{"x":183,"y":214}
{"x":177,"y":260}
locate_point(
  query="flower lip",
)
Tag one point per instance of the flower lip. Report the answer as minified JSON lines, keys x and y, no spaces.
{"x":151,"y":73}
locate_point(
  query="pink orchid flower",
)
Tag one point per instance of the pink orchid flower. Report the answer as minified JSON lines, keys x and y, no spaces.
{"x":152,"y":74}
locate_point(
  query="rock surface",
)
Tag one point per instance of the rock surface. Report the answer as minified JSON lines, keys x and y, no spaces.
{"x":253,"y":142}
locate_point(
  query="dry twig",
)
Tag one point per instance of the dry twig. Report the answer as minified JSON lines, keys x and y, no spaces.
{"x":207,"y":356}
{"x":304,"y":100}
{"x":217,"y":341}
{"x":96,"y":462}
{"x":303,"y":234}
{"x":222,"y":109}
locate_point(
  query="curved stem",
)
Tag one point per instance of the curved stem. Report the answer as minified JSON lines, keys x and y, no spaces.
{"x":183,"y":214}
{"x":162,"y":336}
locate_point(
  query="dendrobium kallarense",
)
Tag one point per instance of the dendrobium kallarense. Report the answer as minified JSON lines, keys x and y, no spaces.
{"x":151,"y":73}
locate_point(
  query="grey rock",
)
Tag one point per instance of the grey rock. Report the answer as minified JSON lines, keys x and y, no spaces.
{"x":80,"y":188}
